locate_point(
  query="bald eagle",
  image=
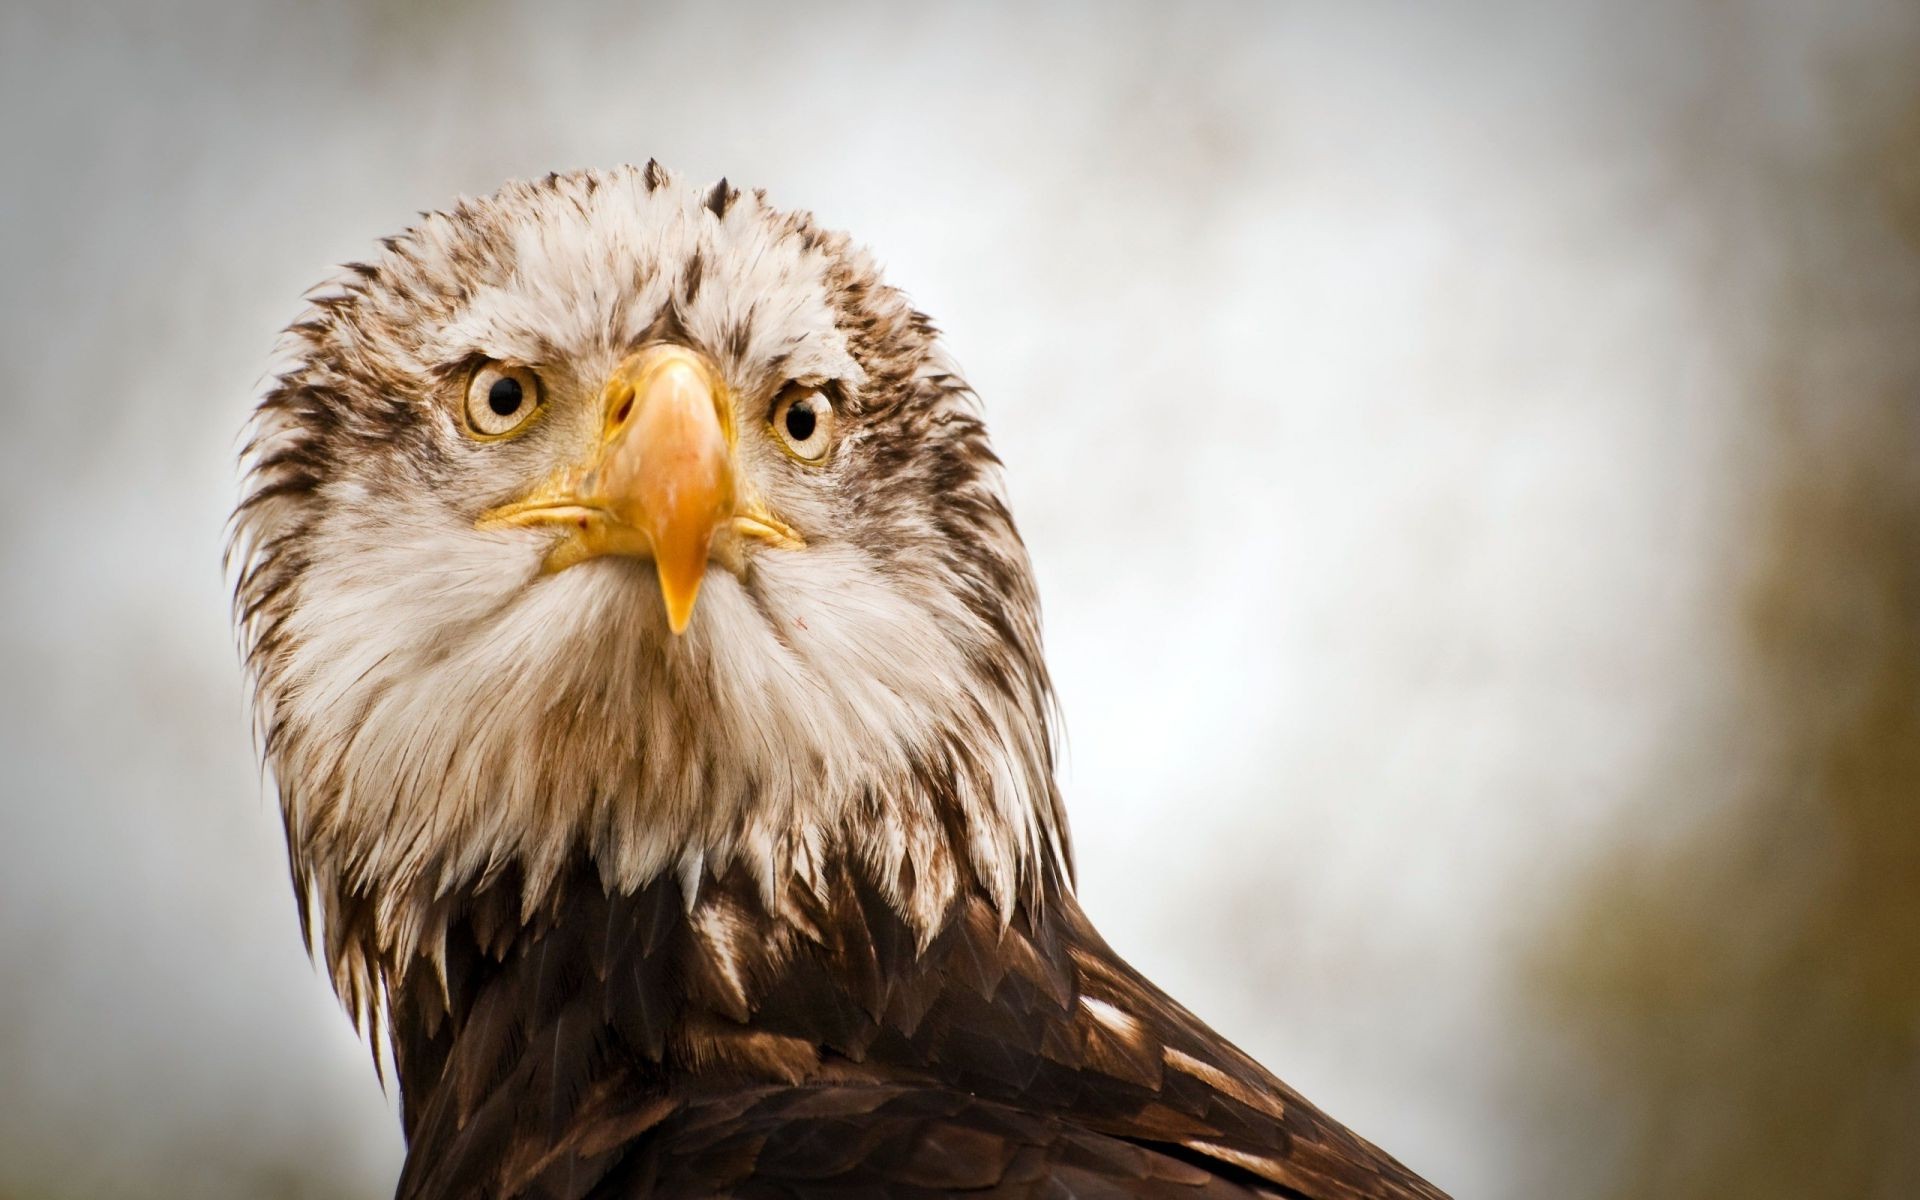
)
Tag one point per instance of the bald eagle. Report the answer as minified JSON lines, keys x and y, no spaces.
{"x":651,"y":675}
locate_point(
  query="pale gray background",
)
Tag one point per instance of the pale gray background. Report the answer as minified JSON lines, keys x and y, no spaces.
{"x":1469,"y":451}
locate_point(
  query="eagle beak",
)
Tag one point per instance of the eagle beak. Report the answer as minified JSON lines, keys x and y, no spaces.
{"x":661,"y":484}
{"x":666,"y":465}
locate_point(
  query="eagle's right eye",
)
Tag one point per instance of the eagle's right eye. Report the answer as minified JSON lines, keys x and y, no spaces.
{"x":501,"y":399}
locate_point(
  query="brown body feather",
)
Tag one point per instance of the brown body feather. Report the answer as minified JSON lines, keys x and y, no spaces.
{"x":618,"y":1046}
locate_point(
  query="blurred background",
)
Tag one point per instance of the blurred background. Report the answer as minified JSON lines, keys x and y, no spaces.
{"x":1471,"y":454}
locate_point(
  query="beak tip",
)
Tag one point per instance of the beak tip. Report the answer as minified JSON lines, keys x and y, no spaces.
{"x":679,"y":601}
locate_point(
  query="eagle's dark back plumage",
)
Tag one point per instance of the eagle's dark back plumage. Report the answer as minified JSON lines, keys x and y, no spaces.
{"x":774,"y":902}
{"x":619,"y":1046}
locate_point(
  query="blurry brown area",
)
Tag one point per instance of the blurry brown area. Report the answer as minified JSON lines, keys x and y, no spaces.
{"x":1750,"y":987}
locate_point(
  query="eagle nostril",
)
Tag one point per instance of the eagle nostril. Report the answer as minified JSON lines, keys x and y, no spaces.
{"x":620,"y":414}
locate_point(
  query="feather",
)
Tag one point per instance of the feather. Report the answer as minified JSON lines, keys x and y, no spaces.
{"x":786,"y":1074}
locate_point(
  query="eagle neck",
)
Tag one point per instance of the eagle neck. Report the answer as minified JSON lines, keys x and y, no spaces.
{"x":663,"y":987}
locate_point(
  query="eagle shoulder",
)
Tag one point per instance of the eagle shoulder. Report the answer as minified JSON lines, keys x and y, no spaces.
{"x":618,"y":1045}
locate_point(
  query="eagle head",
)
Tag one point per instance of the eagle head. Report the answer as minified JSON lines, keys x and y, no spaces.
{"x":610,"y":515}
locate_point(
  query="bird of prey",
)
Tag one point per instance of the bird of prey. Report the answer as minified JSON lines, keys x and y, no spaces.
{"x":651,"y":676}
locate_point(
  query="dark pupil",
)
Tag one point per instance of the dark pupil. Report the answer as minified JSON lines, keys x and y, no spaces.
{"x":800,"y":421}
{"x":504,"y":396}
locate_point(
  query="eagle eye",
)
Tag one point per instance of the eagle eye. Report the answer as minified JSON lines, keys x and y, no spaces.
{"x":803,"y":421}
{"x":501,"y":399}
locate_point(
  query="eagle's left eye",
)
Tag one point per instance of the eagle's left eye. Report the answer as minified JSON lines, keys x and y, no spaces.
{"x":500,"y":399}
{"x":803,"y":420}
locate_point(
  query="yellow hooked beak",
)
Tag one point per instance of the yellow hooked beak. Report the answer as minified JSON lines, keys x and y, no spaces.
{"x":663,"y":482}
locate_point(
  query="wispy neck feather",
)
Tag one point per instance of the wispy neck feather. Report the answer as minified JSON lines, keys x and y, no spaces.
{"x":438,"y":767}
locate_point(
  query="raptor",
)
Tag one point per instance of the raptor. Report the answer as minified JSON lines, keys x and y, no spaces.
{"x":651,"y":675}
